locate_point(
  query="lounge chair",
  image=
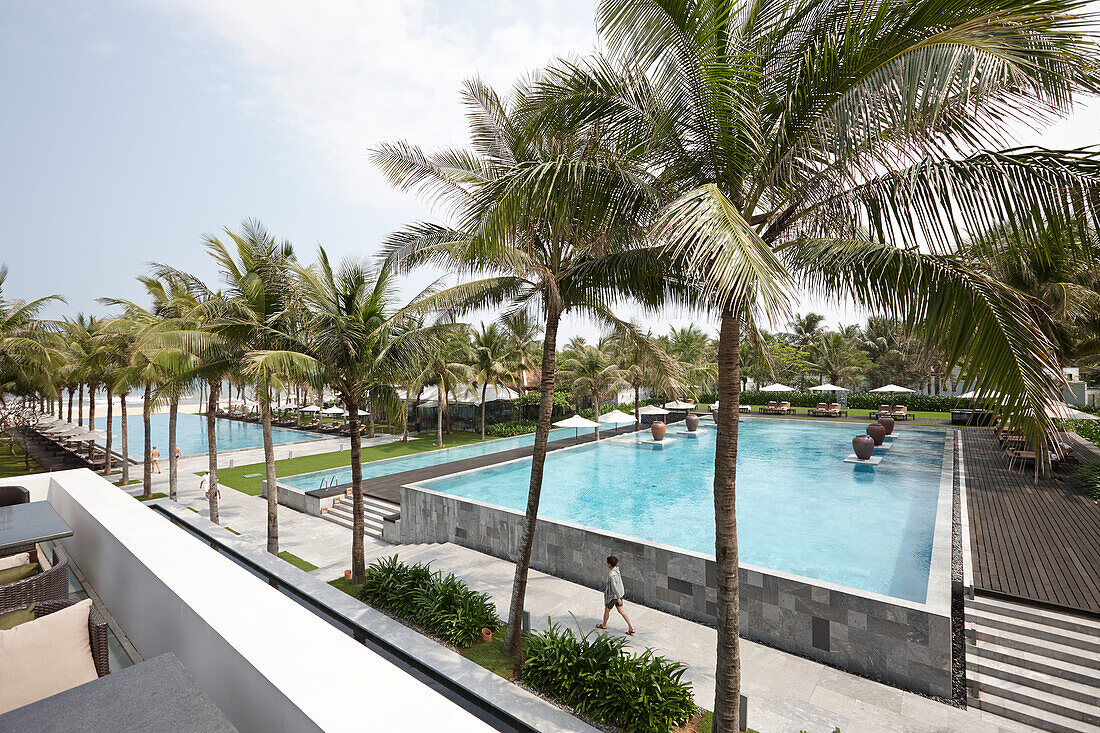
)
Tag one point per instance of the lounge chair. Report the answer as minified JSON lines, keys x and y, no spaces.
{"x":785,"y":408}
{"x":744,"y":408}
{"x":97,"y":628}
{"x":836,"y":410}
{"x":822,"y":410}
{"x":771,"y":408}
{"x":901,"y":412}
{"x":884,"y":411}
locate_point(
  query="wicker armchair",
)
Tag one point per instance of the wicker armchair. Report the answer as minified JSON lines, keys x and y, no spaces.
{"x":12,"y":495}
{"x":97,"y":628}
{"x":49,"y":585}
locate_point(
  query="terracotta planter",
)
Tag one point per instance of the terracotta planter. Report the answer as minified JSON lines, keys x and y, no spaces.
{"x":877,"y":433}
{"x":888,"y":423}
{"x":692,"y":421}
{"x":657,"y":428}
{"x":486,"y":635}
{"x":347,"y":575}
{"x":864,"y":446}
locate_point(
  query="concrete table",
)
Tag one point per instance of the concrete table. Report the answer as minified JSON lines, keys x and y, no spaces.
{"x":156,"y":695}
{"x":27,"y":524}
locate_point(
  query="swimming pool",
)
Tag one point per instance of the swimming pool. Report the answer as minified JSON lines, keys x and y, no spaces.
{"x":388,"y":466}
{"x":191,"y":433}
{"x":800,"y":508}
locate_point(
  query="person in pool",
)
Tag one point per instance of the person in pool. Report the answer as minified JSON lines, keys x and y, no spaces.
{"x":613,"y":595}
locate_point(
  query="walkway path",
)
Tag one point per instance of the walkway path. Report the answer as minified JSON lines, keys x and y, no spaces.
{"x":786,"y":692}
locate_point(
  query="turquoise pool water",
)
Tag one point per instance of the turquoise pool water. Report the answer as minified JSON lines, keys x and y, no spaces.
{"x":374,"y":469}
{"x":191,"y":434}
{"x":800,"y":508}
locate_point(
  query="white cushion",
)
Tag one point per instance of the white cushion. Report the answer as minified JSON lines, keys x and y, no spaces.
{"x":46,"y":656}
{"x":14,"y":561}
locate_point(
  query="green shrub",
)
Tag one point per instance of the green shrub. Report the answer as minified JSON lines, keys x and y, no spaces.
{"x":1087,"y":479}
{"x":594,"y":676}
{"x":861,"y":400}
{"x":1087,"y":429}
{"x":443,"y":606}
{"x":508,"y":429}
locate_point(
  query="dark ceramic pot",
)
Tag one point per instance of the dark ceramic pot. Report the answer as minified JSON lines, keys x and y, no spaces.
{"x":888,"y":423}
{"x":658,"y":429}
{"x":692,"y":421}
{"x":877,"y":433}
{"x":863,"y":445}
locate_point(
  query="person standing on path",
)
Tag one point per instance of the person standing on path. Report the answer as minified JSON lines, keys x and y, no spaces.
{"x":613,"y":595}
{"x":154,"y":456}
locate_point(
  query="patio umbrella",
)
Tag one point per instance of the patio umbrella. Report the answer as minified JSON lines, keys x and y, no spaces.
{"x":827,"y":387}
{"x":309,"y":408}
{"x":578,"y":422}
{"x":777,"y":387}
{"x":892,"y":389}
{"x":652,"y":410}
{"x":334,"y":410}
{"x":616,"y":417}
{"x":678,"y":405}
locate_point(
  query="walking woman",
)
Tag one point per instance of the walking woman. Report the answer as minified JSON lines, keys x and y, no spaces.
{"x":613,"y":595}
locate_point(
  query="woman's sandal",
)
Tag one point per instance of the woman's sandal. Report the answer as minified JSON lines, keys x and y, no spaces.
{"x":630,"y":632}
{"x":601,"y":626}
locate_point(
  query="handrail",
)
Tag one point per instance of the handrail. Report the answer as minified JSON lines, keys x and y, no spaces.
{"x":450,"y":688}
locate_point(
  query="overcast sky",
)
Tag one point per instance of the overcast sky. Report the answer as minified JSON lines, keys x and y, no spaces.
{"x":130,"y":128}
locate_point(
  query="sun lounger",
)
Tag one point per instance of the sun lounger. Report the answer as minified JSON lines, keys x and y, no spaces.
{"x":785,"y":408}
{"x":901,"y":412}
{"x":822,"y":410}
{"x":744,"y":408}
{"x":836,"y":410}
{"x":771,"y":408}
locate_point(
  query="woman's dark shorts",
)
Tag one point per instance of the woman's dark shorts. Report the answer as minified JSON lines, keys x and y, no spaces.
{"x":616,"y":602}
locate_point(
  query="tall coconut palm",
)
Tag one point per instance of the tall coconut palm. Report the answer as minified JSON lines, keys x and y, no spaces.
{"x":444,"y":363}
{"x":645,"y":363}
{"x":493,"y":361}
{"x":258,"y":315}
{"x":549,"y":223}
{"x":357,"y":341}
{"x":523,"y":333}
{"x":798,"y":157}
{"x":591,"y":371}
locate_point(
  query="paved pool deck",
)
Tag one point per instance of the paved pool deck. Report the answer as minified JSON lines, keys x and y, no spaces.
{"x":786,"y":692}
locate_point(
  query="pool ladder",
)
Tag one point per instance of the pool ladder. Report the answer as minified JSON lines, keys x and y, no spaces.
{"x":328,"y":482}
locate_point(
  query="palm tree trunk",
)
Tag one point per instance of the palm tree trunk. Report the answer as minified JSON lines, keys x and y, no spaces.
{"x":358,"y":564}
{"x":483,"y":388}
{"x":123,"y":429}
{"x":173,"y":409}
{"x":70,"y":418}
{"x":637,"y":402}
{"x":108,"y":444}
{"x":212,"y":451}
{"x":91,"y":419}
{"x":727,"y":687}
{"x":596,"y":407}
{"x":370,"y":417}
{"x":513,"y":642}
{"x":269,"y":460}
{"x":146,"y":419}
{"x":405,"y":418}
{"x":439,"y":415}
{"x":80,"y":406}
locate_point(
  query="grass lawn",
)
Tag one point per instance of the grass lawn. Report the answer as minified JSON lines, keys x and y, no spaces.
{"x":14,"y":465}
{"x":297,"y":561}
{"x":491,"y":656}
{"x":155,"y":495}
{"x":346,"y":586}
{"x":234,"y":477}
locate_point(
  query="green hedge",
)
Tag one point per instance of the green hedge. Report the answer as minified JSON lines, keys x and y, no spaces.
{"x":644,"y":692}
{"x":443,"y":606}
{"x":508,"y":429}
{"x":1087,"y":429}
{"x":860,"y":400}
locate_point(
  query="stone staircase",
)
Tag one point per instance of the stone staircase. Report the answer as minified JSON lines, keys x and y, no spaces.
{"x":1037,"y":666}
{"x":373,"y":512}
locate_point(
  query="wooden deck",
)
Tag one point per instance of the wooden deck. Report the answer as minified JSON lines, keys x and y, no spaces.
{"x":388,"y":488}
{"x":1035,"y":541}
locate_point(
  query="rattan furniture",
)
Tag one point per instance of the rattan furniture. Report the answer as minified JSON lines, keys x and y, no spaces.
{"x":97,"y":628}
{"x":48,"y":585}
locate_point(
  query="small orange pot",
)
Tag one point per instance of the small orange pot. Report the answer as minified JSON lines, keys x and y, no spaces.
{"x":347,"y":575}
{"x":486,"y":635}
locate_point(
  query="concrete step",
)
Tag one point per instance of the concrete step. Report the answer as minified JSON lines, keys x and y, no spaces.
{"x":1035,"y":662}
{"x":980,"y":635}
{"x":1036,"y":717}
{"x":1048,"y":617}
{"x":992,"y":672}
{"x":1035,"y":629}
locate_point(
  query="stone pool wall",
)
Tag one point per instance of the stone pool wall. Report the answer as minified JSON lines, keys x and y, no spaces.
{"x":901,"y":643}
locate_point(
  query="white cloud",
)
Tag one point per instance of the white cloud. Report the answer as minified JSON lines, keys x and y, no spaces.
{"x":105,"y":49}
{"x":347,"y":75}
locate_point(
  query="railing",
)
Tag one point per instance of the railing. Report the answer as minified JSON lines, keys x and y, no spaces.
{"x":441,"y":683}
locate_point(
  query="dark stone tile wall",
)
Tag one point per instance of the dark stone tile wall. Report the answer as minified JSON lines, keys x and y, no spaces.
{"x":906,"y":647}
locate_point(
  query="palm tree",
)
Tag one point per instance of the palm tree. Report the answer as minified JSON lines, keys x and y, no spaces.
{"x":493,"y":361}
{"x":837,"y":360}
{"x":796,"y":157}
{"x":592,"y":372}
{"x":644,"y":362}
{"x":552,"y":222}
{"x":806,"y":329}
{"x":358,"y":342}
{"x":444,"y":363}
{"x":258,"y":315}
{"x":29,"y":348}
{"x":523,"y":334}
